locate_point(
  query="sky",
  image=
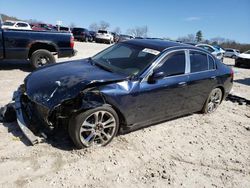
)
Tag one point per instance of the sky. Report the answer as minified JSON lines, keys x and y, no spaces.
{"x":165,"y":18}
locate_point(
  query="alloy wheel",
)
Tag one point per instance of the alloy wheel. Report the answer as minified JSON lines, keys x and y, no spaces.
{"x":214,"y":100}
{"x":98,"y":128}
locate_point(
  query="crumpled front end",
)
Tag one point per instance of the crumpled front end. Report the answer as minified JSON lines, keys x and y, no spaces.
{"x":31,"y":117}
{"x":36,"y":119}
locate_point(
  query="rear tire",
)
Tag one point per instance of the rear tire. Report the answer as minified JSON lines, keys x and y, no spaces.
{"x":213,"y":101}
{"x":96,"y":126}
{"x":41,"y":58}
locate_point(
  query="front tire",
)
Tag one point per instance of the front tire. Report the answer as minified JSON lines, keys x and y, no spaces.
{"x":213,"y":101}
{"x":94,"y":127}
{"x":41,"y":58}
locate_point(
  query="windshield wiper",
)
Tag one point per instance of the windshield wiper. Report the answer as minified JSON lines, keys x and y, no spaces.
{"x":103,"y":67}
{"x":90,"y":60}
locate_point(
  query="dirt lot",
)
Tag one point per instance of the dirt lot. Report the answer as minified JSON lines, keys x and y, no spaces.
{"x":192,"y":151}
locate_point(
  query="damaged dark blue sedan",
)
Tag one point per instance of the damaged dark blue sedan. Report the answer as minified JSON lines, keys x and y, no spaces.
{"x":127,"y":86}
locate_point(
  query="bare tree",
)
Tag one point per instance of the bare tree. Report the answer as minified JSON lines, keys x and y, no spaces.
{"x":218,"y":40}
{"x":138,"y":31}
{"x":117,"y":30}
{"x":93,"y":27}
{"x":188,"y":38}
{"x":104,"y":25}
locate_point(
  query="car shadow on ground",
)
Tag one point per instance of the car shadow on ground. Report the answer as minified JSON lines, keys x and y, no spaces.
{"x":22,"y":65}
{"x":60,"y":138}
{"x":16,"y":132}
{"x":245,"y":81}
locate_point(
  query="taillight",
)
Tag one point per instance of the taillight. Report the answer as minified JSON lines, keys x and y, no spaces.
{"x":72,"y":42}
{"x":232,"y":74}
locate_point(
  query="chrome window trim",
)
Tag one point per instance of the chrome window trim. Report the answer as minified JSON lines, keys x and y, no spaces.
{"x":188,"y":72}
{"x":159,"y":61}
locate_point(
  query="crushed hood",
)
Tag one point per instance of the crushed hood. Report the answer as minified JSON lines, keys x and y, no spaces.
{"x":51,"y":85}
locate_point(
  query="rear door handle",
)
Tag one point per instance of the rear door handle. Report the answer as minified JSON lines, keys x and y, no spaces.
{"x":213,"y":77}
{"x":182,"y":84}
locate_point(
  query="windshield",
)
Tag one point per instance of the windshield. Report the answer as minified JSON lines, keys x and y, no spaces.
{"x":247,"y":52}
{"x":125,"y":58}
{"x":8,"y":23}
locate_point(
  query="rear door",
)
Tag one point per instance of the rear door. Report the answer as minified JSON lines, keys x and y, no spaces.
{"x":1,"y":44}
{"x":202,"y":79}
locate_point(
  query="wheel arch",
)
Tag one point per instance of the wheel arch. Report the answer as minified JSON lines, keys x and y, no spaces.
{"x":91,"y":99}
{"x":222,"y":90}
{"x":42,"y":46}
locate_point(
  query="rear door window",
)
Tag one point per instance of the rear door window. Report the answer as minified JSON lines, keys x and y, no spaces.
{"x":198,"y":62}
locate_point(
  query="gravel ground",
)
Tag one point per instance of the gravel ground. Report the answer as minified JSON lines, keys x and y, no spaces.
{"x":192,"y":151}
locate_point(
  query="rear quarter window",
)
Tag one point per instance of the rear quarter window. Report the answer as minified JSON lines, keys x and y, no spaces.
{"x":211,"y":63}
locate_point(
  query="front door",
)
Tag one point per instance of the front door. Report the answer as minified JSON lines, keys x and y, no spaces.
{"x":165,"y":97}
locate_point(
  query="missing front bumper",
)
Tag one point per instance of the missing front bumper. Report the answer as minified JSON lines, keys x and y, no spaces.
{"x":22,"y":119}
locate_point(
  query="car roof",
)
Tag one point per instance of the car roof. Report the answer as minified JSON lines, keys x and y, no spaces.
{"x":155,"y":44}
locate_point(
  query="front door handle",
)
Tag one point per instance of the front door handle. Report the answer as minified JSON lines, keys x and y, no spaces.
{"x":182,"y":84}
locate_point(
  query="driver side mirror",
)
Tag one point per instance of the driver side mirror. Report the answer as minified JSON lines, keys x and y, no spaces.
{"x":157,"y":75}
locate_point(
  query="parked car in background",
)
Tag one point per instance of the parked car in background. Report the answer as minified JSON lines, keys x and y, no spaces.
{"x":232,"y":53}
{"x":62,"y":28}
{"x":98,"y":97}
{"x":220,"y":49}
{"x":115,"y":36}
{"x":104,"y":37}
{"x":38,"y":47}
{"x":18,"y":25}
{"x":93,"y":34}
{"x":212,"y":50}
{"x":125,"y":37}
{"x":82,"y":34}
{"x":42,"y":27}
{"x":243,"y":59}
